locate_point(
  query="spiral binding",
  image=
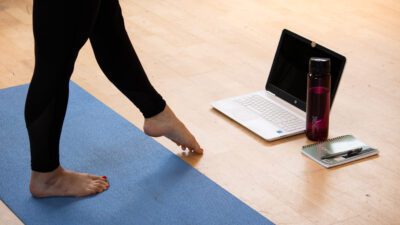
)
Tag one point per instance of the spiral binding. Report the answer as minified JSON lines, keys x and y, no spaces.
{"x":329,"y":140}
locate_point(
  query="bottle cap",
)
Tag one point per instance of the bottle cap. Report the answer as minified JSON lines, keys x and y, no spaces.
{"x":319,"y":66}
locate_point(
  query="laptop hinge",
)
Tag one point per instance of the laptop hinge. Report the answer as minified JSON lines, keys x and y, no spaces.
{"x":270,"y":93}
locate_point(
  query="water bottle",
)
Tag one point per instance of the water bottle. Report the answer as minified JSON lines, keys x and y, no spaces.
{"x":318,"y":99}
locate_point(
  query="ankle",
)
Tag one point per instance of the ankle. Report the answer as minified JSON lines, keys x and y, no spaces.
{"x":40,"y":181}
{"x":46,"y":178}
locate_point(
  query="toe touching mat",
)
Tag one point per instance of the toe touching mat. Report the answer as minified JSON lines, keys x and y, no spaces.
{"x":148,"y":183}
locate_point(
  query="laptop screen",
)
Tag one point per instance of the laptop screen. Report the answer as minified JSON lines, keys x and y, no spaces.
{"x":288,"y":75}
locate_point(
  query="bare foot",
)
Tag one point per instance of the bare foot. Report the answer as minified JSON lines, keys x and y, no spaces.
{"x":62,"y":182}
{"x":168,"y":125}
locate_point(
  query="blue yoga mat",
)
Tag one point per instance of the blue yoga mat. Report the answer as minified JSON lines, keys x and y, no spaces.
{"x":149,"y":184}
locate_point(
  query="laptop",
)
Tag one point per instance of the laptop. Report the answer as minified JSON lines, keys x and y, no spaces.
{"x":280,"y":110}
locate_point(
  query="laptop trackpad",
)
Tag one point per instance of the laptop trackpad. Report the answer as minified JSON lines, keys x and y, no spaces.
{"x":244,"y":115}
{"x":238,"y":112}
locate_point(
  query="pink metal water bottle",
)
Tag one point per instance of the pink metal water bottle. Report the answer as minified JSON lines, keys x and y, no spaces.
{"x":318,"y":99}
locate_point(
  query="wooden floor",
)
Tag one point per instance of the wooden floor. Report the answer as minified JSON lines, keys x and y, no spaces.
{"x":198,"y":51}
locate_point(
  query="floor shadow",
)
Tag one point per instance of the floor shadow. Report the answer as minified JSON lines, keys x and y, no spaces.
{"x":190,"y":157}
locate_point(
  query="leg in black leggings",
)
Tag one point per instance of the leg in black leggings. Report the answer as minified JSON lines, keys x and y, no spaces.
{"x":60,"y":29}
{"x":119,"y":62}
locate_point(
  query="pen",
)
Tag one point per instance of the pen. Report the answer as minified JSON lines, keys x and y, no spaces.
{"x":348,"y":153}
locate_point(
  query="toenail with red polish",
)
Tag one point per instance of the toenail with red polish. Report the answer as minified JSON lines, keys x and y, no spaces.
{"x":104,"y":177}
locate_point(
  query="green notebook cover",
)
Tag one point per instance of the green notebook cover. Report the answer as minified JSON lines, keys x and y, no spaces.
{"x":338,"y":151}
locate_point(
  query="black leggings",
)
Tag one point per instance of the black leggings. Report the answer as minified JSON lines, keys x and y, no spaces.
{"x":61,"y":27}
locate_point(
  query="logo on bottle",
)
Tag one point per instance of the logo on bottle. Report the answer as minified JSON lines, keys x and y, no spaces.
{"x":314,"y":122}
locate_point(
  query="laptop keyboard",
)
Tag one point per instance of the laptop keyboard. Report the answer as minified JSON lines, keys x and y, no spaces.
{"x":271,"y":112}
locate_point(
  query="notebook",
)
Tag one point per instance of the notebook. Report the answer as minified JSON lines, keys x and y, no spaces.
{"x":280,"y":109}
{"x":338,"y":151}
